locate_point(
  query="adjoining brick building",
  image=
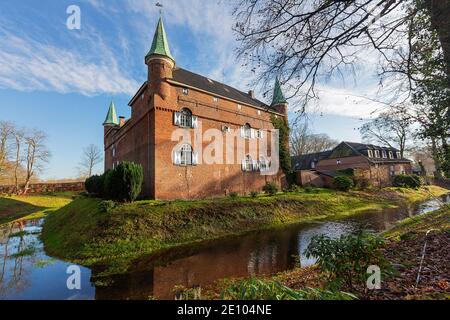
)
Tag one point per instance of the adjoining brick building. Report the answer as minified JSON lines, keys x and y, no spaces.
{"x":176,"y":100}
{"x":376,"y":164}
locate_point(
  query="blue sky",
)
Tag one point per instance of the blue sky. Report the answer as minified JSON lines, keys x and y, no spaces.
{"x":61,"y":81}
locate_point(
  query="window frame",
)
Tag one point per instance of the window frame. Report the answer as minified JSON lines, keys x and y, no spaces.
{"x":370,"y":153}
{"x":383,"y":154}
{"x":377,"y":153}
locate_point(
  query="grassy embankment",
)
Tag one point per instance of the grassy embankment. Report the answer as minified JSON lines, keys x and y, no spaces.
{"x":403,"y":249}
{"x":80,"y":232}
{"x":32,"y":206}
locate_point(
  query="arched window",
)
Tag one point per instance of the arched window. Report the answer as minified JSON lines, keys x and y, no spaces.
{"x":186,"y":155}
{"x":263,"y":163}
{"x":186,"y":118}
{"x":248,"y":163}
{"x":247,"y":131}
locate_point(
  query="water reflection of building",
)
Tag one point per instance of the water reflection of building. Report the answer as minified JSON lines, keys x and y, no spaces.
{"x":264,"y":253}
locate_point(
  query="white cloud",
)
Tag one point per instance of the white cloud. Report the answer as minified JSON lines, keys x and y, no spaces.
{"x":27,"y":64}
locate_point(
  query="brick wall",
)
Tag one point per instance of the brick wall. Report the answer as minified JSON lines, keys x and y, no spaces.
{"x":47,"y":187}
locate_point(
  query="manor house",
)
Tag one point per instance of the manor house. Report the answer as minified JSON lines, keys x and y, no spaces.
{"x":175,"y":100}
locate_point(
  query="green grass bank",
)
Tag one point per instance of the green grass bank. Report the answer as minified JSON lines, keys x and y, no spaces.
{"x":82,"y":233}
{"x":32,"y":206}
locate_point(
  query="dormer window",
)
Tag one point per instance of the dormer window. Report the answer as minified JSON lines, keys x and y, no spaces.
{"x":377,"y":153}
{"x":383,"y":154}
{"x":313,"y":164}
{"x":399,"y":156}
{"x":370,"y":153}
{"x":391,"y":155}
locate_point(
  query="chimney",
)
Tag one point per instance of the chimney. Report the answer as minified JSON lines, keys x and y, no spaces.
{"x":251,"y":93}
{"x":121,"y":121}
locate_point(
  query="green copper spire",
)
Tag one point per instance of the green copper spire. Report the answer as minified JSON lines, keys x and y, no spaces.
{"x":278,"y":97}
{"x":160,"y":45}
{"x":111,"y":117}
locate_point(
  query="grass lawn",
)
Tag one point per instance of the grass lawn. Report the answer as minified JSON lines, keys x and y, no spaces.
{"x":32,"y":206}
{"x":82,"y":233}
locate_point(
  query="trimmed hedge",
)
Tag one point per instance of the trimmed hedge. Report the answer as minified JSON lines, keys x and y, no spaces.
{"x":407,"y":181}
{"x":343,"y":183}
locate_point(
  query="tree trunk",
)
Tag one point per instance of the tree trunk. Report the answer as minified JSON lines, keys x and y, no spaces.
{"x":436,"y":159}
{"x":16,"y":169}
{"x":440,"y":20}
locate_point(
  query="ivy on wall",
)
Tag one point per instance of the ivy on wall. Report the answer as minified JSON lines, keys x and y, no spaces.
{"x":285,"y":157}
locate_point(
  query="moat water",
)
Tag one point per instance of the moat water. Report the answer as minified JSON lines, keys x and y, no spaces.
{"x":36,"y":275}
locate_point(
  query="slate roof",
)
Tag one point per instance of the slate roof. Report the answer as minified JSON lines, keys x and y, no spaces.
{"x":200,"y":82}
{"x":303,"y":162}
{"x":362,"y":148}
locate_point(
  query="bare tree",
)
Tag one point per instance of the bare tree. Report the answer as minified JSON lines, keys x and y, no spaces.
{"x":6,"y":132}
{"x":307,"y":41}
{"x":392,"y":128}
{"x":92,"y":155}
{"x":37,"y":155}
{"x":303,"y":141}
{"x":19,"y":136}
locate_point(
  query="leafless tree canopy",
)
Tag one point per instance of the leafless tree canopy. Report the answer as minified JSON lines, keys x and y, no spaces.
{"x":92,"y":155}
{"x":392,"y":128}
{"x":36,"y":155}
{"x":303,"y":141}
{"x":309,"y":40}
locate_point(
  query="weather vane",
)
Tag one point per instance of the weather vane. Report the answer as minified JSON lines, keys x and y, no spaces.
{"x":160,"y":6}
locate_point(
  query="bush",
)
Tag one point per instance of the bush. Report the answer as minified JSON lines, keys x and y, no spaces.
{"x":94,"y":185}
{"x":106,"y":206}
{"x":343,"y":183}
{"x":258,"y":289}
{"x":270,"y":188}
{"x":233,"y":195}
{"x":362,"y":183}
{"x":347,"y":258}
{"x":124,"y":183}
{"x":254,"y":194}
{"x":407,"y":181}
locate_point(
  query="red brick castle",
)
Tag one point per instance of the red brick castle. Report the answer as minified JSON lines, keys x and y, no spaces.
{"x":174,"y":100}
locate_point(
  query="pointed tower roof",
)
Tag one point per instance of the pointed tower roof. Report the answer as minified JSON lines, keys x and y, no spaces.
{"x":160,"y":45}
{"x":111,"y":117}
{"x":278,"y":96}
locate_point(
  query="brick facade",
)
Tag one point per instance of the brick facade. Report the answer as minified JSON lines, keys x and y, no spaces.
{"x":146,"y":138}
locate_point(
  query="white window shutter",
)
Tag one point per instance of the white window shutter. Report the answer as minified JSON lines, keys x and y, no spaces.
{"x":252,"y":133}
{"x":176,"y":157}
{"x":254,"y":165}
{"x":194,"y":122}
{"x":261,"y":134}
{"x":243,"y":165}
{"x":177,"y":118}
{"x":242,"y":132}
{"x":195,"y":158}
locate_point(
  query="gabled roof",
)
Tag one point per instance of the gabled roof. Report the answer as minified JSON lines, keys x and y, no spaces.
{"x":362,"y":148}
{"x":191,"y":79}
{"x":278,"y":96}
{"x":303,"y":162}
{"x":111,"y":116}
{"x":160,"y":45}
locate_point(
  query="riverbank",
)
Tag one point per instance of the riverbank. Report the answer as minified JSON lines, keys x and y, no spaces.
{"x":32,"y":206}
{"x":82,"y":233}
{"x":403,"y":249}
